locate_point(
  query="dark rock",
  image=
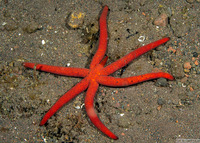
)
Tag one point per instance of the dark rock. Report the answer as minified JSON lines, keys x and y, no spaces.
{"x":195,"y":54}
{"x":161,"y":82}
{"x":160,"y":101}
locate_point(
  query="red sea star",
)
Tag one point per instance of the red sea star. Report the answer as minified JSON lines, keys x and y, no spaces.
{"x":98,"y":74}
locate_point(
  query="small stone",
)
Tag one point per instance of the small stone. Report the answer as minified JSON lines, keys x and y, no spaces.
{"x":75,"y":19}
{"x":182,"y":96}
{"x":160,"y":101}
{"x":171,"y":49}
{"x":43,"y":42}
{"x":184,"y":80}
{"x":186,"y":70}
{"x":32,"y":27}
{"x":187,"y":65}
{"x":16,"y":69}
{"x":190,"y":1}
{"x":159,"y":107}
{"x":177,"y":70}
{"x":195,"y":54}
{"x":161,"y":20}
{"x":11,"y":25}
{"x":196,"y":63}
{"x":161,"y":82}
{"x":124,"y":122}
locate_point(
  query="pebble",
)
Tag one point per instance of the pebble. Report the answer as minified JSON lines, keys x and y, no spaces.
{"x":11,"y":25}
{"x":177,"y":70}
{"x":17,"y":70}
{"x":43,"y":42}
{"x":124,"y":122}
{"x":159,"y":107}
{"x":75,"y":19}
{"x":32,"y":27}
{"x":161,"y":20}
{"x":161,"y":82}
{"x":196,"y":63}
{"x":171,"y":49}
{"x":198,"y":71}
{"x":186,"y":70}
{"x":190,"y":1}
{"x":187,"y":65}
{"x":184,"y":80}
{"x":160,"y":101}
{"x":195,"y":54}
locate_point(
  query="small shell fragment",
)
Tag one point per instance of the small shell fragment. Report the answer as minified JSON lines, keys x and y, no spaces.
{"x":141,"y":38}
{"x":43,"y":42}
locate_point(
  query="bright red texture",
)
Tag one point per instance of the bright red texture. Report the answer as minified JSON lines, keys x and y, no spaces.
{"x":98,"y":74}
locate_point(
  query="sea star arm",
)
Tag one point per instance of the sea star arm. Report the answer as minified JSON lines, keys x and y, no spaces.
{"x":67,"y":71}
{"x":73,"y":92}
{"x":89,"y":100}
{"x":120,"y":82}
{"x":103,"y":62}
{"x":102,"y":39}
{"x":131,"y":56}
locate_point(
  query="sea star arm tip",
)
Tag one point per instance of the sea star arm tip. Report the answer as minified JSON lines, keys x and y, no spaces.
{"x":73,"y":92}
{"x":120,"y":82}
{"x":89,"y":100}
{"x":131,"y":56}
{"x":66,"y":71}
